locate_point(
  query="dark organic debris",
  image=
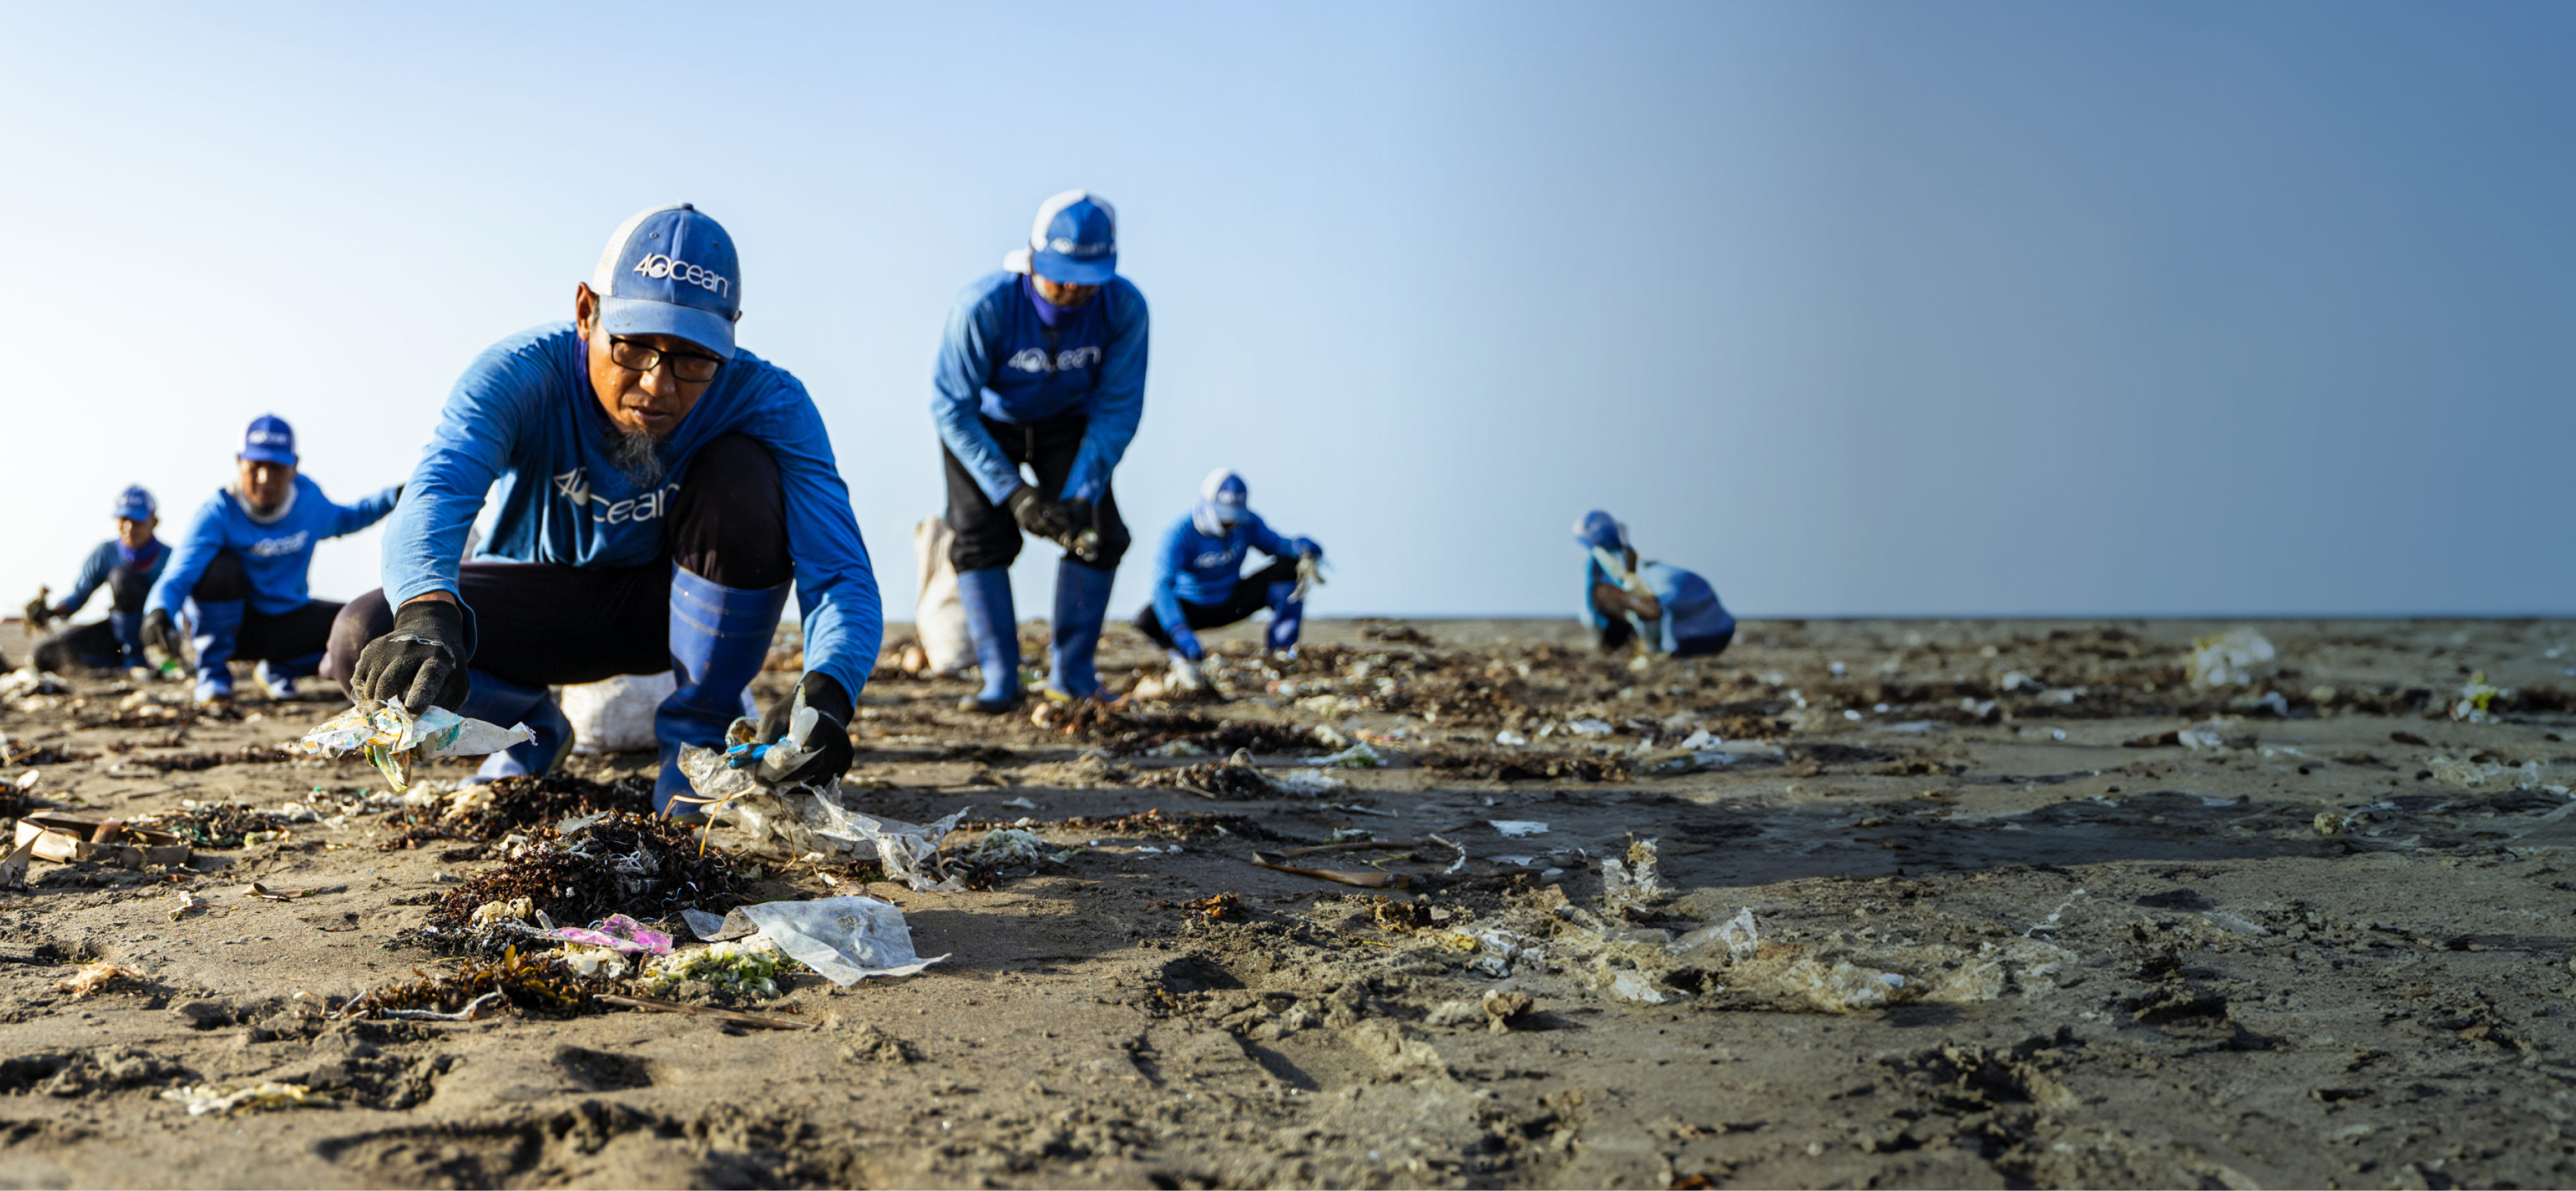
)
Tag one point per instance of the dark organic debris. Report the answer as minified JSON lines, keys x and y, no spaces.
{"x":1220,"y":907}
{"x":544,"y":987}
{"x":218,"y":826}
{"x":39,"y":754}
{"x":1230,"y":779}
{"x":643,"y":866}
{"x":520,"y":805}
{"x":1156,"y":823}
{"x":1522,"y":767}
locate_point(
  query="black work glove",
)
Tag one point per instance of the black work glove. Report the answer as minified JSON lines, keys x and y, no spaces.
{"x":421,"y":662}
{"x":1043,"y":518}
{"x":160,"y":634}
{"x":830,"y":739}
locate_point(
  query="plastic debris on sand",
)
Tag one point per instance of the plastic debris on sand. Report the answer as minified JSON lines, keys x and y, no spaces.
{"x":1358,"y":756}
{"x":204,"y":1099}
{"x":1018,"y":845}
{"x":1517,"y":828}
{"x":1590,"y":727}
{"x":2237,"y":657}
{"x":748,"y":965}
{"x":847,"y":939}
{"x":1636,"y":881}
{"x":97,"y":977}
{"x":394,"y":739}
{"x":2475,"y":695}
{"x":2472,"y":775}
{"x":616,"y":933}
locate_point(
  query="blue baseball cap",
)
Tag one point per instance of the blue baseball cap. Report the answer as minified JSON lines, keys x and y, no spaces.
{"x":1599,"y":531}
{"x":1075,"y":241}
{"x":670,"y":271}
{"x":135,"y":504}
{"x":269,"y":440}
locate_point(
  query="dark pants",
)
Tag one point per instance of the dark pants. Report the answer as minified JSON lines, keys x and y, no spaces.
{"x":95,"y":644}
{"x":987,"y":535}
{"x":1251,"y":594}
{"x":1618,"y":633}
{"x":298,"y":632}
{"x":546,"y":624}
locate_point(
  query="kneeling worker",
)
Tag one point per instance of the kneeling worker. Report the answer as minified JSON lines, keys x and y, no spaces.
{"x":659,"y":489}
{"x":1198,"y":582}
{"x":240,"y":573}
{"x":1649,"y":606}
{"x":126,"y":566}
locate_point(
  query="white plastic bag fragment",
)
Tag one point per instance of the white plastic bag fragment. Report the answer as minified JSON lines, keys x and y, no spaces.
{"x":909,"y":853}
{"x":615,"y":715}
{"x":1517,"y":828}
{"x":847,"y":939}
{"x":2237,"y":657}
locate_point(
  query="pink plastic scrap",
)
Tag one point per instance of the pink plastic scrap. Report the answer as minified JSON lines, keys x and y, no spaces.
{"x":619,"y":932}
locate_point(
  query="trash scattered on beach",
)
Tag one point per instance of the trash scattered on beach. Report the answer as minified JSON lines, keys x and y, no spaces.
{"x":1517,"y":828}
{"x":847,"y":939}
{"x":748,"y":965}
{"x":2237,"y":657}
{"x":1358,"y":756}
{"x":394,"y":739}
{"x":98,"y":977}
{"x":1373,"y":879}
{"x":67,"y":838}
{"x":205,"y":1099}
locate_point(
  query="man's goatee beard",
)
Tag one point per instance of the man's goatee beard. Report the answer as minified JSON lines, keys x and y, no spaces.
{"x":639,"y":455}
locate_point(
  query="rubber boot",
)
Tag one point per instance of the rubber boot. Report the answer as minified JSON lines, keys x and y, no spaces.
{"x":719,"y":639}
{"x":1081,"y":603}
{"x":128,"y":627}
{"x":1287,"y":616}
{"x":278,"y":677}
{"x":996,"y":630}
{"x":216,"y":626}
{"x":498,"y":701}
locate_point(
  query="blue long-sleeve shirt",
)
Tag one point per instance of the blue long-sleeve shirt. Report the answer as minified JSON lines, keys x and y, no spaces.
{"x":525,"y":414}
{"x":276,"y":553}
{"x":1691,"y":608}
{"x":998,"y":359}
{"x":95,"y":568}
{"x":1201,"y":568}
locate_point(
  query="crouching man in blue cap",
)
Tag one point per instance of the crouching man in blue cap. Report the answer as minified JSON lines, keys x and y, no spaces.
{"x":127,"y":566}
{"x":1198,"y":579}
{"x":660,"y":491}
{"x":239,"y":574}
{"x":1043,"y":365}
{"x":1645,"y":606}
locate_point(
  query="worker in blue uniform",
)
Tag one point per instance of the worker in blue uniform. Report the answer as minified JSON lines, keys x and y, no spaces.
{"x":1042,"y":365}
{"x":660,"y":492}
{"x":240,"y":573}
{"x":126,"y":565}
{"x":1198,"y":573}
{"x":1646,"y":606}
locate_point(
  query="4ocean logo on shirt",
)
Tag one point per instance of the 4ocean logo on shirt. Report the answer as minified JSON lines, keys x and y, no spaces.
{"x":1034,"y":359}
{"x":281,"y":547}
{"x":575,"y":487}
{"x":660,"y":267}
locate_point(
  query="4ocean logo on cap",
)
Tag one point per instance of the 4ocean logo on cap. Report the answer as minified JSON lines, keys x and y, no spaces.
{"x":660,"y":267}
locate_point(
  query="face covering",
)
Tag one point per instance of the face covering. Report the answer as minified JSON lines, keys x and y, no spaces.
{"x":1048,"y":312}
{"x":138,"y":558}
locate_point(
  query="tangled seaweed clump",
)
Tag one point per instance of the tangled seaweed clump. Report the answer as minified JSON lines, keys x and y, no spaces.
{"x":544,"y":986}
{"x":219,"y":826}
{"x":1157,"y":823}
{"x":493,"y":811}
{"x":643,"y":866}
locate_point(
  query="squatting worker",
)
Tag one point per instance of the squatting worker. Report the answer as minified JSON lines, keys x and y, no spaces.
{"x":126,"y":565}
{"x":1198,"y":573}
{"x":1043,"y":365}
{"x":240,"y":573}
{"x":1646,"y":606}
{"x":660,"y":489}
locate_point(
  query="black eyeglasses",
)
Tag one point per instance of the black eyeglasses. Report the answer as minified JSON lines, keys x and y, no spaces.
{"x":638,"y":357}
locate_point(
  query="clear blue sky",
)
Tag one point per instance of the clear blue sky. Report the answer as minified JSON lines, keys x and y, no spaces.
{"x":1855,"y":308}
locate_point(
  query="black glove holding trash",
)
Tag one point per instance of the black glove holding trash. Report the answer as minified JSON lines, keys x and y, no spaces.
{"x":829,"y":739}
{"x":1038,"y":515}
{"x":421,"y":662}
{"x":160,"y":634}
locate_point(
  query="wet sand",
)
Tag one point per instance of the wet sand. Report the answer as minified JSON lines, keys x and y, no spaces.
{"x":2021,"y":913}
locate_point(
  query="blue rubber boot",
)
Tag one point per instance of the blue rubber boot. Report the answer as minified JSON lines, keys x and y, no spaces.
{"x":1287,"y":616}
{"x":128,"y":627}
{"x":1081,"y":603}
{"x":496,"y":701}
{"x":215,"y":628}
{"x":719,"y":639}
{"x":996,"y":630}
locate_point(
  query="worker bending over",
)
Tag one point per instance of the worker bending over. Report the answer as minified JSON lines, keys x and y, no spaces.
{"x":1198,"y":579}
{"x":239,"y":574}
{"x":1650,"y":607}
{"x":660,"y":490}
{"x":126,"y":566}
{"x":1043,"y":365}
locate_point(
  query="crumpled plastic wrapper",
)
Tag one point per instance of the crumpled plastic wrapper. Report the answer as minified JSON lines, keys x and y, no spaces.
{"x":800,"y":820}
{"x":847,"y":939}
{"x":212,"y":1098}
{"x":394,"y":739}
